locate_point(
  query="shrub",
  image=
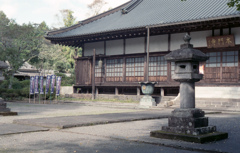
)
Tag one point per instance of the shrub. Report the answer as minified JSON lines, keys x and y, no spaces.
{"x":20,"y":90}
{"x":4,"y":84}
{"x":24,"y":92}
{"x":11,"y":94}
{"x":2,"y":90}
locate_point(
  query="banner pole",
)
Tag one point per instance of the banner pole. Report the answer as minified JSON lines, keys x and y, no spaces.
{"x":45,"y":97}
{"x":29,"y":92}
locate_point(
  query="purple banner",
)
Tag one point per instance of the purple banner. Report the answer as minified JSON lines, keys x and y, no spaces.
{"x":32,"y":82}
{"x":36,"y":84}
{"x":53,"y":83}
{"x":41,"y":85}
{"x":58,"y":86}
{"x":48,"y":83}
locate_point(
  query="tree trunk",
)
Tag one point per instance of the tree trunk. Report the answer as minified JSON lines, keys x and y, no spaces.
{"x":11,"y":81}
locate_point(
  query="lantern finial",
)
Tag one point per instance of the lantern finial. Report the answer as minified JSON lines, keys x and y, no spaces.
{"x":187,"y":38}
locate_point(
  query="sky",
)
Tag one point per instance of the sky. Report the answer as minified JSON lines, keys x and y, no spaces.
{"x":36,"y":11}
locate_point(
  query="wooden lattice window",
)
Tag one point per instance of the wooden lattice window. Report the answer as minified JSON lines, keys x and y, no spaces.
{"x":135,"y":67}
{"x":214,"y":59}
{"x":98,"y":70}
{"x":222,"y":67}
{"x":230,"y":59}
{"x":114,"y":68}
{"x":157,"y":66}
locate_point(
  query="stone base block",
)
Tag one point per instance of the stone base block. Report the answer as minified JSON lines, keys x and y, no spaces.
{"x":190,"y":112}
{"x":190,"y":131}
{"x":147,"y":101}
{"x":215,"y":136}
{"x":187,"y":122}
{"x":4,"y":110}
{"x":8,"y":113}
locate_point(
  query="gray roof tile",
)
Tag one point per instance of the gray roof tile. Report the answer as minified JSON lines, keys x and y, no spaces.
{"x":155,"y":12}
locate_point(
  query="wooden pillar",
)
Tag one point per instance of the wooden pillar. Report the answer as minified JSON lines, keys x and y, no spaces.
{"x":162,"y":92}
{"x":138,"y":91}
{"x":221,"y":31}
{"x":124,"y":46}
{"x":105,"y":48}
{"x":148,"y":41}
{"x":93,"y":74}
{"x":229,"y":30}
{"x":169,"y":42}
{"x":213,"y":32}
{"x":124,"y":69}
{"x":116,"y":91}
{"x":169,"y":71}
{"x":105,"y":70}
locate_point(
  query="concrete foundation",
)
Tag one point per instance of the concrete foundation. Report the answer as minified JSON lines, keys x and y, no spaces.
{"x":147,"y":102}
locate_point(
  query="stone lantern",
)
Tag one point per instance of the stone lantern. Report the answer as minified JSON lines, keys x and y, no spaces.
{"x":4,"y":111}
{"x":188,"y":123}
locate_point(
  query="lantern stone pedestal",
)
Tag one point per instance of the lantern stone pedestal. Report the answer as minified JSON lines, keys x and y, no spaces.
{"x":188,"y":123}
{"x":147,"y":89}
{"x":4,"y":111}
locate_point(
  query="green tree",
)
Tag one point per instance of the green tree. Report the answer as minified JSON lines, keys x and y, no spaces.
{"x":66,"y":18}
{"x":96,"y":7}
{"x":231,"y":3}
{"x":234,"y":3}
{"x":18,"y":44}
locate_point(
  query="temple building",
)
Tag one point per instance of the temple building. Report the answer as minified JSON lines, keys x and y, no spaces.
{"x":138,"y":32}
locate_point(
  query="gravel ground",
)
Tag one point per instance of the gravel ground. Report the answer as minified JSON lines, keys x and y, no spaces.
{"x":67,"y":142}
{"x":30,"y":111}
{"x":132,"y":137}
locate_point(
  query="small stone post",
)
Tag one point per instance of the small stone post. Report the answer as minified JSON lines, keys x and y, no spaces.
{"x":188,"y":123}
{"x":4,"y":111}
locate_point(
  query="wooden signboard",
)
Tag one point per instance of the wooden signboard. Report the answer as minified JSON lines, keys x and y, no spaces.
{"x":220,"y":41}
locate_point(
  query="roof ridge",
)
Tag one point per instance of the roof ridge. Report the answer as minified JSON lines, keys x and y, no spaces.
{"x":88,"y":20}
{"x":131,"y":6}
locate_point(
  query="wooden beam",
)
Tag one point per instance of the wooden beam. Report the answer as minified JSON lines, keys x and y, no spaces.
{"x":124,"y":46}
{"x":124,"y":69}
{"x":169,"y":42}
{"x":93,"y":74}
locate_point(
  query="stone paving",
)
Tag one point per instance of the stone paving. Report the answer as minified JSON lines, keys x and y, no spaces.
{"x":131,"y":136}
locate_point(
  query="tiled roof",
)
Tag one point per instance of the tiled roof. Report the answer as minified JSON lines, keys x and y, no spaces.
{"x":3,"y":65}
{"x":154,"y":12}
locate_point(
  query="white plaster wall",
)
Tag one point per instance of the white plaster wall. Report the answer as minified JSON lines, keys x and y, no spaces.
{"x":98,"y":46}
{"x":114,"y":47}
{"x":226,"y":31}
{"x":135,"y":45}
{"x":217,"y":32}
{"x":199,"y":38}
{"x":217,"y":92}
{"x":176,"y":41}
{"x":236,"y":33}
{"x":66,"y":90}
{"x":158,"y":43}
